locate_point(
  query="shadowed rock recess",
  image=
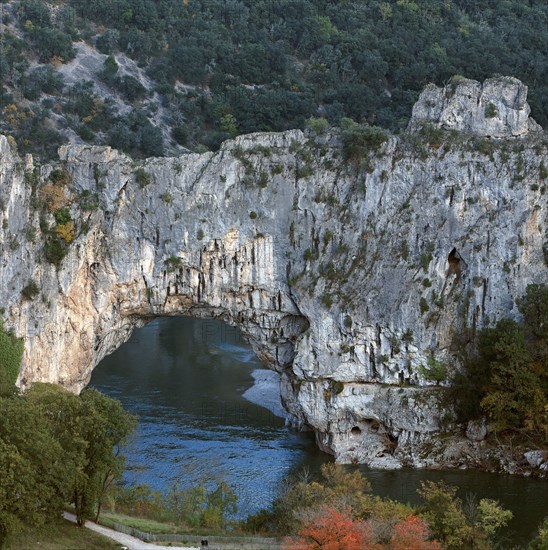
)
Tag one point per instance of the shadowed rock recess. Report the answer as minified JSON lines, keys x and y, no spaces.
{"x":346,"y":268}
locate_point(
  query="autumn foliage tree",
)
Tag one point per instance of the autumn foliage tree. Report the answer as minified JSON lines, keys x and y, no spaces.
{"x":412,"y":534}
{"x":331,"y":529}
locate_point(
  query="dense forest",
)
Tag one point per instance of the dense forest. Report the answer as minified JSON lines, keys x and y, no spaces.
{"x":206,"y":70}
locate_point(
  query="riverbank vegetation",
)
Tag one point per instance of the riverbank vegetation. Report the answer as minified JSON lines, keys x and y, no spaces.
{"x":337,"y":511}
{"x":163,"y":73}
{"x":57,"y":448}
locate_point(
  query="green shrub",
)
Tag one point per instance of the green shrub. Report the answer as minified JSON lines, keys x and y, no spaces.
{"x":407,"y":336}
{"x":327,"y":300}
{"x":435,"y":371}
{"x":491,"y":111}
{"x":55,"y":250}
{"x":173,"y":263}
{"x":305,"y":171}
{"x":142,"y":177}
{"x":88,"y":201}
{"x":63,"y":216}
{"x":263,"y":180}
{"x":425,"y":260}
{"x":253,"y":215}
{"x":310,"y":255}
{"x":318,"y":125}
{"x":424,"y":306}
{"x":31,"y":290}
{"x":200,"y":234}
{"x":59,"y":176}
{"x":361,"y":139}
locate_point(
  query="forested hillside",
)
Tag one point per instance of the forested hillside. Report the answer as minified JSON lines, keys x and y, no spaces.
{"x":193,"y":73}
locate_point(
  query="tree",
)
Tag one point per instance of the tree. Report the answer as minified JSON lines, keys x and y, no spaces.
{"x":412,"y":534}
{"x":450,"y":525}
{"x":90,"y":429}
{"x":540,"y":542}
{"x":534,"y":308}
{"x":35,"y":477}
{"x":513,"y":393}
{"x":331,"y":529}
{"x":203,"y":505}
{"x":491,"y":516}
{"x":105,"y":427}
{"x":507,"y":380}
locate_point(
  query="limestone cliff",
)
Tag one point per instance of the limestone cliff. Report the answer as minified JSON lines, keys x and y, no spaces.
{"x":346,"y":275}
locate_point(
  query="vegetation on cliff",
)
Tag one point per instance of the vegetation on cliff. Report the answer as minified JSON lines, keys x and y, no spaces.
{"x":194,"y":73}
{"x":506,"y":380}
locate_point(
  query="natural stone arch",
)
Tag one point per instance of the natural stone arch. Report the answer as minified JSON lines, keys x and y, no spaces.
{"x":321,"y":246}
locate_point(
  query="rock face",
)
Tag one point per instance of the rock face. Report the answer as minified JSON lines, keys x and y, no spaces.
{"x":497,"y":108}
{"x":348,"y":277}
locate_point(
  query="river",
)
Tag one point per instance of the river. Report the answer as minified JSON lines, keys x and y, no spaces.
{"x":185,"y":379}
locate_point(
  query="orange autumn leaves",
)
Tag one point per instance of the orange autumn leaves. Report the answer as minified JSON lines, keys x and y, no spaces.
{"x":331,"y":529}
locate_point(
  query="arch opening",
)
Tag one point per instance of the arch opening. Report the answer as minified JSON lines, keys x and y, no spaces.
{"x":187,"y":379}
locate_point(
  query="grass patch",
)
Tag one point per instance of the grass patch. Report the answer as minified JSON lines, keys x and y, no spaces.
{"x":108,"y":519}
{"x":61,"y":535}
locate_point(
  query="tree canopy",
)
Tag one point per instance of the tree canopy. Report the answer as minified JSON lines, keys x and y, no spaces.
{"x":272,"y":65}
{"x":56,"y":448}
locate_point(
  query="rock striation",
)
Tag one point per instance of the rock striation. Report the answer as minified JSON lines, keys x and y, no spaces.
{"x":349,"y":276}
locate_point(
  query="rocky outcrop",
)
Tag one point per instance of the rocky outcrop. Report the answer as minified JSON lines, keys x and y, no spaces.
{"x":350,"y":277}
{"x":497,"y":108}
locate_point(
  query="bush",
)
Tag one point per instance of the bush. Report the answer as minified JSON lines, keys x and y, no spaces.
{"x":173,"y":263}
{"x":31,"y":290}
{"x":55,"y":250}
{"x":318,"y":125}
{"x":50,"y":43}
{"x":361,"y":139}
{"x":63,"y":215}
{"x":491,"y":111}
{"x":41,"y":80}
{"x":59,"y":176}
{"x":435,"y":371}
{"x":142,"y":177}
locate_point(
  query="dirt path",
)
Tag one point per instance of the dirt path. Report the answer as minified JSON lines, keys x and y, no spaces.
{"x":131,"y":543}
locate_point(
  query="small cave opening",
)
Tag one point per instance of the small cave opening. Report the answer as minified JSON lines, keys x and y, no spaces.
{"x":456,"y":264}
{"x":355,"y":431}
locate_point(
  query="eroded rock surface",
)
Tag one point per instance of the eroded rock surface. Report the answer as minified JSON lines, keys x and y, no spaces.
{"x":347,"y":276}
{"x":496,"y":108}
